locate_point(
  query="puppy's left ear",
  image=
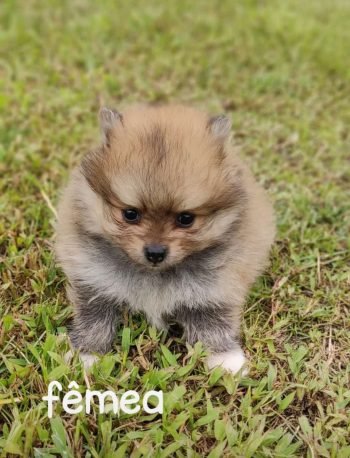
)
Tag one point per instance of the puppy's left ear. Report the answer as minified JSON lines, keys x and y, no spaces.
{"x":220,"y":127}
{"x":108,"y":120}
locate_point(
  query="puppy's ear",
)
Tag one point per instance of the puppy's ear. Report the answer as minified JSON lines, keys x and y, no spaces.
{"x":220,"y":127}
{"x":108,"y":119}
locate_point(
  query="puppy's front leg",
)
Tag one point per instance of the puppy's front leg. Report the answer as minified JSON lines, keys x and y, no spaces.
{"x":94,"y":324}
{"x":214,"y":326}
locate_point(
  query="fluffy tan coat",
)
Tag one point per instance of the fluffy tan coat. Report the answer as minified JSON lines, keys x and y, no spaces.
{"x":163,"y":162}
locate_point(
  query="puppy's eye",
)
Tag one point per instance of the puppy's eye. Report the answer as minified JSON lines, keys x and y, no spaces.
{"x":131,"y":215}
{"x":185,"y":219}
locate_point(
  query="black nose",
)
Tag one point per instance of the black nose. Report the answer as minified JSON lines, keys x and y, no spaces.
{"x":155,"y":253}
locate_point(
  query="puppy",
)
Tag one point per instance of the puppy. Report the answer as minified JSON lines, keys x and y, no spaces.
{"x":164,"y":218}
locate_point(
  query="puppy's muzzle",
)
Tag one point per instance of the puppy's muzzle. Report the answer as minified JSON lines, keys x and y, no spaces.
{"x":155,"y":253}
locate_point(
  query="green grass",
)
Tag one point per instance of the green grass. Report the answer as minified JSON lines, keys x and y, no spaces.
{"x":281,"y":70}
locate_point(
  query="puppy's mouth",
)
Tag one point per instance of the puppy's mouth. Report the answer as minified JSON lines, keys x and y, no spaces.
{"x":168,"y":264}
{"x":160,"y":267}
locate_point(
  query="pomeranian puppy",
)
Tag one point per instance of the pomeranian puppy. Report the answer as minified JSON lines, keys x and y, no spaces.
{"x":163,"y":218}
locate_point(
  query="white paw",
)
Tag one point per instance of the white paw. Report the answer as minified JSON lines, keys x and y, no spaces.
{"x":87,"y":359}
{"x":232,"y":361}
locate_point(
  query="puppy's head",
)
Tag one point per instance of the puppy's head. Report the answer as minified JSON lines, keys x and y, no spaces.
{"x":167,"y":181}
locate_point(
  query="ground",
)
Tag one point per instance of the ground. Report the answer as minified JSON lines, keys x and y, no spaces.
{"x":281,"y":71}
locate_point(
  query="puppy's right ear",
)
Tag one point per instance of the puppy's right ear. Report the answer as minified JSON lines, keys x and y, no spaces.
{"x":108,"y":119}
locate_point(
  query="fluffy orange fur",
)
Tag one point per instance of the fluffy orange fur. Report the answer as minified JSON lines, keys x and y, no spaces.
{"x":163,"y":161}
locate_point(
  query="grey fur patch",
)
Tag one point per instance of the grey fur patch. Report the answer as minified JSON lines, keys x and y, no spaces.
{"x":196,"y":265}
{"x":94,"y":324}
{"x":211,"y":325}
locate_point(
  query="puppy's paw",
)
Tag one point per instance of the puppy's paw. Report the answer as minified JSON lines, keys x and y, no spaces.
{"x":87,"y":359}
{"x":233,"y":361}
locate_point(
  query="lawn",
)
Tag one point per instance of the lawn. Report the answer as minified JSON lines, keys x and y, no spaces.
{"x":281,"y":70}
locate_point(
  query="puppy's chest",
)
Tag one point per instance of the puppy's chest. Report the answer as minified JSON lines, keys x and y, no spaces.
{"x":154,"y":294}
{"x":152,"y":301}
{"x":157,"y":296}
